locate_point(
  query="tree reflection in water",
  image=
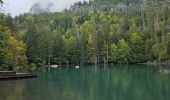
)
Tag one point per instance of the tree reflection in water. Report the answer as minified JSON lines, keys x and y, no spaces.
{"x":12,"y":90}
{"x":112,"y":83}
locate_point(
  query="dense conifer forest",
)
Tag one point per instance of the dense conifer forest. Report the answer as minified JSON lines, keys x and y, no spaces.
{"x":94,"y":32}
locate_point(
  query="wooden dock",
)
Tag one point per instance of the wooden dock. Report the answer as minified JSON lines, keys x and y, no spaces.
{"x":11,"y":75}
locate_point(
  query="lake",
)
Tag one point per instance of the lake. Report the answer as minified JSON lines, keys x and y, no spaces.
{"x":137,"y":82}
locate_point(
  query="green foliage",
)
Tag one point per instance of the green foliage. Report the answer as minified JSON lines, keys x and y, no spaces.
{"x":123,"y":51}
{"x":137,"y":49}
{"x":2,"y":49}
{"x":103,"y":31}
{"x":168,"y":44}
{"x":32,"y":66}
{"x":12,"y":50}
{"x":113,"y":53}
{"x":160,"y":52}
{"x":4,"y":67}
{"x":163,"y":55}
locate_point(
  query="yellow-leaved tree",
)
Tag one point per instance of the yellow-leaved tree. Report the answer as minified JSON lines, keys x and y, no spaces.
{"x":14,"y":50}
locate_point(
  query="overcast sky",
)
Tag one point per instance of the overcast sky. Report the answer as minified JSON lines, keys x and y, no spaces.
{"x":17,"y":7}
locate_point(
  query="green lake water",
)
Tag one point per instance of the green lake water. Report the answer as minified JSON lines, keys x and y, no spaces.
{"x":89,"y":83}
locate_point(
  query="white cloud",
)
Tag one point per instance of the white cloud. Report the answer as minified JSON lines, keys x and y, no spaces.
{"x":17,"y":7}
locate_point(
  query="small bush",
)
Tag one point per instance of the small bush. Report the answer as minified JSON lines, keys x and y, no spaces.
{"x":4,"y":67}
{"x":33,"y":66}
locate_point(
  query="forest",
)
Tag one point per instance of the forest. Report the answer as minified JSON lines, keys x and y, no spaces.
{"x":94,"y":32}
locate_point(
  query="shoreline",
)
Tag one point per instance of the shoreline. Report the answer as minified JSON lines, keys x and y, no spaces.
{"x":167,"y":63}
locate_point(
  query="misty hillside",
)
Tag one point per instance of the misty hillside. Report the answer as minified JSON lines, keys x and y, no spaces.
{"x":125,"y":5}
{"x":39,"y":8}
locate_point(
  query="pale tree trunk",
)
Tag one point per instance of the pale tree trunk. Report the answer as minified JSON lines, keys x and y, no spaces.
{"x":95,"y":59}
{"x":67,"y":63}
{"x":49,"y":56}
{"x":104,"y":60}
{"x":107,"y":54}
{"x":49,"y":49}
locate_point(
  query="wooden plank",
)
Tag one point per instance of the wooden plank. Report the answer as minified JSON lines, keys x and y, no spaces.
{"x":18,"y":76}
{"x":3,"y":73}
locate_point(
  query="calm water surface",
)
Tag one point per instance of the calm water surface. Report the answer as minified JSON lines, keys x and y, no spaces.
{"x":113,"y":83}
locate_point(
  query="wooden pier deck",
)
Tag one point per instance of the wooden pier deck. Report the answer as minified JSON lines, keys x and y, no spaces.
{"x":10,"y":75}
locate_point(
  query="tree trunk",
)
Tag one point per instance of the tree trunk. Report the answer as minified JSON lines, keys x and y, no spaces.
{"x":95,"y":60}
